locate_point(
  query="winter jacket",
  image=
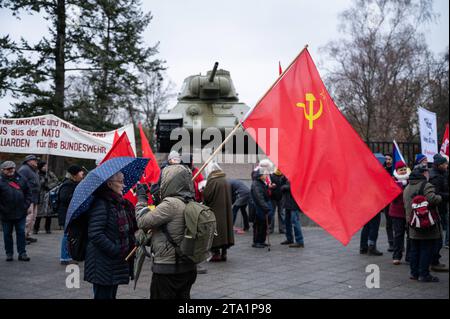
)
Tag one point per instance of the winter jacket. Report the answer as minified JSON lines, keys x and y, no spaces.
{"x":15,"y":197}
{"x":217,"y":195}
{"x":440,"y":181}
{"x":397,"y":207}
{"x":32,"y":178}
{"x":240,"y":193}
{"x":105,"y":261}
{"x":260,"y":196}
{"x":415,"y":182}
{"x":47,"y":181}
{"x":176,"y":189}
{"x":65,"y":196}
{"x":288,"y":200}
{"x":276,"y":193}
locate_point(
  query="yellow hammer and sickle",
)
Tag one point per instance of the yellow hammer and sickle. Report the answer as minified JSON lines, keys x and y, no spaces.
{"x":311,"y":117}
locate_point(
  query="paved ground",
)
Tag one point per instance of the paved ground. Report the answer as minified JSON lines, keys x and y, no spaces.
{"x":324,"y":269}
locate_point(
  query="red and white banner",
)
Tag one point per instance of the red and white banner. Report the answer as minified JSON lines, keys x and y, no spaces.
{"x":444,"y":146}
{"x":48,"y":134}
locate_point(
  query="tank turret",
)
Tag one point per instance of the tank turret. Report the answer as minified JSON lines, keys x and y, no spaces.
{"x":204,"y":101}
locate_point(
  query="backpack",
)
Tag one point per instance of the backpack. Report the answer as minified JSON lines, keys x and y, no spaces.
{"x":77,"y":237}
{"x":199,"y":233}
{"x":51,"y":200}
{"x":422,"y":216}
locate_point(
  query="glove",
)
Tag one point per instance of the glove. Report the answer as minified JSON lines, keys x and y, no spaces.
{"x":141,"y":192}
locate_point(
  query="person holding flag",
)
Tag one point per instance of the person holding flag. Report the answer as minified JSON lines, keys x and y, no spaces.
{"x":300,"y":108}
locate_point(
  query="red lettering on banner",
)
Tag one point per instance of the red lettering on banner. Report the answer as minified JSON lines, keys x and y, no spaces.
{"x":15,"y":142}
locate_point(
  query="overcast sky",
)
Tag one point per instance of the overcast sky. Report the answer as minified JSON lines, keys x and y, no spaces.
{"x":247,"y":38}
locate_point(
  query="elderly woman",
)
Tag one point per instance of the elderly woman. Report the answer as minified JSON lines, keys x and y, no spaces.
{"x":111,"y":230}
{"x":217,"y":195}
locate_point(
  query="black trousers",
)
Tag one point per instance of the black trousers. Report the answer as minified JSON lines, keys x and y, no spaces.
{"x":399,"y":225}
{"x":48,"y":223}
{"x":105,"y":292}
{"x":389,"y":227}
{"x":172,"y":286}
{"x":259,"y":231}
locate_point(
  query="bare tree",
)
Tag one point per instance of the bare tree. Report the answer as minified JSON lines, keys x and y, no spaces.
{"x":380,"y":65}
{"x":157,"y":93}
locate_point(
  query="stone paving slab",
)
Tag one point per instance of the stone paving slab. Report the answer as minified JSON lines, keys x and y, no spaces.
{"x":324,"y":269}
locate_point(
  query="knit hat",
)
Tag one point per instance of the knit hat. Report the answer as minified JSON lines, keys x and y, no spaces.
{"x":74,"y":169}
{"x":174,"y":155}
{"x":438,"y":159}
{"x":399,"y":164}
{"x":7,"y":164}
{"x":419,"y":158}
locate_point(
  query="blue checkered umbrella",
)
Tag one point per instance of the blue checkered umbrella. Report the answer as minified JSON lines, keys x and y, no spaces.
{"x":132,"y":169}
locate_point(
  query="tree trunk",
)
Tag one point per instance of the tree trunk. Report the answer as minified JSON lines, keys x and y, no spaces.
{"x":59,"y":73}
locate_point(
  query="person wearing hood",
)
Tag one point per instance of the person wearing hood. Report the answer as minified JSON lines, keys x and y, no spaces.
{"x":111,"y":228}
{"x":172,"y":277}
{"x":217,"y":196}
{"x":174,"y":158}
{"x":29,"y":171}
{"x":439,"y":178}
{"x":397,"y":213}
{"x":15,"y":198}
{"x":423,"y":242}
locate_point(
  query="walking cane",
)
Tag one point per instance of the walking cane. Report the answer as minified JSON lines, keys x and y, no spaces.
{"x":268,"y":232}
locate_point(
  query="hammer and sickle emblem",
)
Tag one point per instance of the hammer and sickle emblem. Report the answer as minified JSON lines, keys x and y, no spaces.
{"x":310,"y":116}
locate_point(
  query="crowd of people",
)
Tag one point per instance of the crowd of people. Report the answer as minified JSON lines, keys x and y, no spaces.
{"x":423,"y":244}
{"x":114,"y":221}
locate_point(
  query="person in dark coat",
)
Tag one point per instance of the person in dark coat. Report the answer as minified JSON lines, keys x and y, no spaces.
{"x":259,"y":193}
{"x":439,"y":178}
{"x":217,"y":196}
{"x":423,"y":242}
{"x":276,"y":196}
{"x":292,"y":216}
{"x":398,"y":215}
{"x":389,"y":167}
{"x":240,"y":195}
{"x":29,"y":172}
{"x":74,"y":176}
{"x":111,"y":229}
{"x":48,"y":180}
{"x":15,"y":198}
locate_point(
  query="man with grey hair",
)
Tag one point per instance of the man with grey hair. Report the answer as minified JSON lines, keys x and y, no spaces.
{"x":29,"y":171}
{"x":15,"y":198}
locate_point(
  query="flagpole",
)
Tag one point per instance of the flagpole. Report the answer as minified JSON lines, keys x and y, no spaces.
{"x":248,"y":113}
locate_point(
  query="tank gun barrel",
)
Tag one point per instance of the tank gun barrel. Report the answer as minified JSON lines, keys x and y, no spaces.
{"x":213,"y":72}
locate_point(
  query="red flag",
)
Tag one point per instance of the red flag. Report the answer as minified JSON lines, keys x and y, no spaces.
{"x":280,"y":70}
{"x":121,"y":147}
{"x":116,"y":137}
{"x":335,"y":178}
{"x":152,"y":171}
{"x":444,"y":146}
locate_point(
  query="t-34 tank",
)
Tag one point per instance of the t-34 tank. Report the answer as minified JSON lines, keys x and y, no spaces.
{"x":204,"y":101}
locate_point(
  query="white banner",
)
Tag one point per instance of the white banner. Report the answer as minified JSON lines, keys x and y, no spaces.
{"x":428,"y":133}
{"x":48,"y":134}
